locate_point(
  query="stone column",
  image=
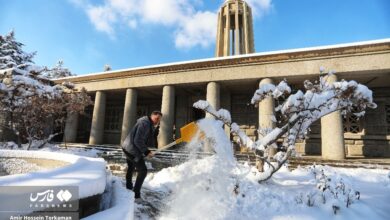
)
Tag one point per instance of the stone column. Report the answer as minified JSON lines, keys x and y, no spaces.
{"x":219,"y":44}
{"x":97,"y":127}
{"x":213,"y":96}
{"x":226,"y":103}
{"x":227,"y":32}
{"x":181,"y":112}
{"x":332,"y":133}
{"x":71,"y":124}
{"x":266,"y":109}
{"x":130,"y":113}
{"x":251,"y":37}
{"x":266,"y":113}
{"x":168,"y":110}
{"x":237,"y":31}
{"x":245,"y":21}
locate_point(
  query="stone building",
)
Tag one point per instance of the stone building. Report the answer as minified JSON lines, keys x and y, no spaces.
{"x":229,"y":81}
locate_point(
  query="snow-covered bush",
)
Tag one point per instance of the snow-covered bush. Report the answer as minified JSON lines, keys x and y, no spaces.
{"x":335,"y":192}
{"x":34,"y":105}
{"x":297,"y":113}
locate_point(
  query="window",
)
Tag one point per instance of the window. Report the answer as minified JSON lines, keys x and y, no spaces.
{"x":114,"y":116}
{"x":352,"y":124}
{"x":142,"y":110}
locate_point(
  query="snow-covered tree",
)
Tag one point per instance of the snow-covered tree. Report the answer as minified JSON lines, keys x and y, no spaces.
{"x":34,"y":104}
{"x":58,"y":71}
{"x":297,"y":113}
{"x":11,"y":53}
{"x":107,"y":68}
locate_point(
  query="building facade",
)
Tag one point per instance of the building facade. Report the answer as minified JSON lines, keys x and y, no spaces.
{"x":229,"y":82}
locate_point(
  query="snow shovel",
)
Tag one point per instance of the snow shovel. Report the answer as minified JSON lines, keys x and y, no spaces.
{"x":187,"y":132}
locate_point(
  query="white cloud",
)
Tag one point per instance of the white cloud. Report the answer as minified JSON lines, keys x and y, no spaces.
{"x":192,"y":27}
{"x":123,"y":7}
{"x":167,"y":12}
{"x":260,"y":7}
{"x":200,"y":29}
{"x":103,"y":18}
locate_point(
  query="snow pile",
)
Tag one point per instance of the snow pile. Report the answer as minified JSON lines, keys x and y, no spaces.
{"x":120,"y":201}
{"x":216,"y":187}
{"x":199,"y":191}
{"x":89,"y":174}
{"x":197,"y":182}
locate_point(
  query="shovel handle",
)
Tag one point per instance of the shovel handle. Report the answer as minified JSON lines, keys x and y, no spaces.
{"x":168,"y":145}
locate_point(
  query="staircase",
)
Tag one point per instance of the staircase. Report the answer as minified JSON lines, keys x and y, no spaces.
{"x":349,"y":162}
{"x":117,"y":162}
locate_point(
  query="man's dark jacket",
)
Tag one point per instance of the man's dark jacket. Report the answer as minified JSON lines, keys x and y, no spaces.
{"x":142,"y":136}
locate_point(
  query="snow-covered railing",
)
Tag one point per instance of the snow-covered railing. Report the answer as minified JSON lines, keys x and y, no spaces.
{"x":89,"y":174}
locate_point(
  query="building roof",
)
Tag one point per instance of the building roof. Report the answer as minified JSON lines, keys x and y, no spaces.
{"x":247,"y":59}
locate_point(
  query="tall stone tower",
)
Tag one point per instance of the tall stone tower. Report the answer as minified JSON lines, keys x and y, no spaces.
{"x":235,"y":29}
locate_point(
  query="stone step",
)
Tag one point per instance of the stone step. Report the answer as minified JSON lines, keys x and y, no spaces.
{"x":114,"y":155}
{"x":350,"y":162}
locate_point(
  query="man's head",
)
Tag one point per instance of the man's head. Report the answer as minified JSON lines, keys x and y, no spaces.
{"x":156,"y":117}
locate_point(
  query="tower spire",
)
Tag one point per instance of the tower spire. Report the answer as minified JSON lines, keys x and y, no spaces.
{"x":235,"y":29}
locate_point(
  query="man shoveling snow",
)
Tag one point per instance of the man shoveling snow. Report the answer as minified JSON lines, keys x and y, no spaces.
{"x":136,"y":146}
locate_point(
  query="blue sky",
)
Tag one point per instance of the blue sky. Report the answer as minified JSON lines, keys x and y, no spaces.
{"x":88,"y":34}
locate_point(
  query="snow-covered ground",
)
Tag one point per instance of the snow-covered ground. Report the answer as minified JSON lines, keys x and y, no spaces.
{"x":198,"y":190}
{"x":217,"y":187}
{"x":119,"y":202}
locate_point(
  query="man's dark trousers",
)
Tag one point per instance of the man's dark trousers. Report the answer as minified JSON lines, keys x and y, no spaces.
{"x":141,"y":174}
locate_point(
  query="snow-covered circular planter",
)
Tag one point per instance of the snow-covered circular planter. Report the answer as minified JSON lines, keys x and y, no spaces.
{"x":89,"y":174}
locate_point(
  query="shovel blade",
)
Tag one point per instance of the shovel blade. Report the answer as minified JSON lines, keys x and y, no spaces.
{"x":188,"y":131}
